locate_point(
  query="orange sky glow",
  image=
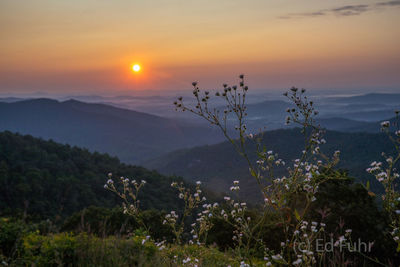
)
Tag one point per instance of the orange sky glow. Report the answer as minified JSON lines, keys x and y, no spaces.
{"x":90,"y":46}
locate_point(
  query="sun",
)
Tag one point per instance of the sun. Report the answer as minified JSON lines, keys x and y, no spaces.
{"x":136,"y":67}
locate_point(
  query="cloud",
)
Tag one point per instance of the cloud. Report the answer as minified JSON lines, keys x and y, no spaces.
{"x":349,"y":10}
{"x":343,"y":11}
{"x":390,"y":3}
{"x":311,"y":14}
{"x":316,"y":14}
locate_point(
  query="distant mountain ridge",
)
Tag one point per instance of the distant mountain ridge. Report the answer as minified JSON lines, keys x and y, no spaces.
{"x":388,"y":98}
{"x":11,"y":99}
{"x":355,"y":113}
{"x":132,"y":136}
{"x":218,"y":165}
{"x":137,"y":136}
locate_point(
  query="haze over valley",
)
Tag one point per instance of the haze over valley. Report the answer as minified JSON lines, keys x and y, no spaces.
{"x":110,"y":125}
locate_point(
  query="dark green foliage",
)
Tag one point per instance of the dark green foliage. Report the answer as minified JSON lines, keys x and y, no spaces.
{"x":105,"y":222}
{"x":221,"y":234}
{"x":343,"y":204}
{"x":42,"y":179}
{"x":65,"y":249}
{"x":11,"y":233}
{"x":84,"y":250}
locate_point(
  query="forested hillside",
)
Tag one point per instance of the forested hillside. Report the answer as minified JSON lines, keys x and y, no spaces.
{"x":43,"y":179}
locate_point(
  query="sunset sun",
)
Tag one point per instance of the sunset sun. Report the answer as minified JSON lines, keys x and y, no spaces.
{"x":136,"y":68}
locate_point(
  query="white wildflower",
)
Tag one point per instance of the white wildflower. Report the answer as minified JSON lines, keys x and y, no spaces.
{"x":385,"y":124}
{"x":297,"y":262}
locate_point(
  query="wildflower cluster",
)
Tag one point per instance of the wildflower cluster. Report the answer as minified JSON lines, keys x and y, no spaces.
{"x":304,"y":242}
{"x":129,"y":193}
{"x":388,"y":175}
{"x":192,"y":202}
{"x":235,"y":214}
{"x":189,"y":262}
{"x":303,"y":177}
{"x":200,"y":228}
{"x":234,"y":97}
{"x":304,"y":112}
{"x":185,"y":260}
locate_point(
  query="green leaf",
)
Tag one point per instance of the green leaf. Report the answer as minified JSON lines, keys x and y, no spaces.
{"x":297,"y":215}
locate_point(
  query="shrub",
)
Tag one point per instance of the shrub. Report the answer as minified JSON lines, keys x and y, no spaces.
{"x":11,"y":234}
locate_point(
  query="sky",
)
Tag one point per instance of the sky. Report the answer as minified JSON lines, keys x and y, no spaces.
{"x":89,"y":46}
